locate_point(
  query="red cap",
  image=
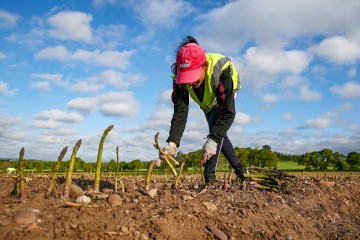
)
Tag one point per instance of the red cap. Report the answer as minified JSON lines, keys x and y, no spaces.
{"x":189,"y":61}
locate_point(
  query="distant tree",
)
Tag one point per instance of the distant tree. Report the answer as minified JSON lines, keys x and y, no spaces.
{"x":244,"y":155}
{"x":4,"y":164}
{"x":122,"y":166}
{"x":40,"y":166}
{"x":341,"y":165}
{"x":326,"y":158}
{"x":253,"y":158}
{"x":353,"y":159}
{"x":112,"y":165}
{"x":267,"y":147}
{"x":305,"y":160}
{"x":267,"y":158}
{"x":79,"y":164}
{"x":135,"y":165}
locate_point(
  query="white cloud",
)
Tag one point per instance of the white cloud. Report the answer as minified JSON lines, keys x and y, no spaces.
{"x":105,"y":58}
{"x":110,"y":36}
{"x":117,"y":79}
{"x":60,"y":116}
{"x":287,"y":116}
{"x":271,"y":98}
{"x":48,"y":77}
{"x":48,"y":123}
{"x":338,"y":49}
{"x":109,"y":104}
{"x":4,"y":89}
{"x":8,"y":121}
{"x":293,"y":81}
{"x":160,"y":13}
{"x":166,"y":96}
{"x":59,"y":53}
{"x":160,"y":119}
{"x":352,"y":72}
{"x":348,"y":90}
{"x":320,"y":122}
{"x":242,"y":118}
{"x":40,"y":85}
{"x":85,"y":86}
{"x":71,"y":25}
{"x":8,"y":20}
{"x":273,"y":61}
{"x":2,"y":56}
{"x":119,"y":104}
{"x":98,"y":3}
{"x":288,"y":132}
{"x":274,"y":23}
{"x":308,"y":95}
{"x":117,"y":109}
{"x":83,"y":104}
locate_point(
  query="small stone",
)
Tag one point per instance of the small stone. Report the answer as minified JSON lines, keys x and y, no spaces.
{"x":124,"y":230}
{"x":151,"y":193}
{"x":107,"y":190}
{"x":115,"y":200}
{"x":102,"y":196}
{"x":288,"y":237}
{"x":136,"y":234}
{"x":75,"y":191}
{"x":217,"y":232}
{"x":210,"y":206}
{"x":327,"y":183}
{"x":28,"y":179}
{"x":83,"y":199}
{"x":187,"y":197}
{"x":25,"y":216}
{"x":144,"y":237}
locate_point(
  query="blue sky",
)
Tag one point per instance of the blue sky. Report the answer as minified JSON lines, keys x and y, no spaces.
{"x":69,"y":69}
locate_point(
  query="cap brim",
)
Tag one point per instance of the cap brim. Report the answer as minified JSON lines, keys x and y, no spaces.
{"x":188,"y":76}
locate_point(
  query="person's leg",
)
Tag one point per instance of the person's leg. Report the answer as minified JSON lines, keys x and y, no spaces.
{"x":210,"y":165}
{"x":229,"y":153}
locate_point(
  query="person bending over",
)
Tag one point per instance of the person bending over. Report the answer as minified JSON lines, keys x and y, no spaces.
{"x":212,"y":81}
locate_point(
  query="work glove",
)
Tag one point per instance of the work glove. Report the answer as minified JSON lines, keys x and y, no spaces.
{"x":208,"y":150}
{"x":169,"y":149}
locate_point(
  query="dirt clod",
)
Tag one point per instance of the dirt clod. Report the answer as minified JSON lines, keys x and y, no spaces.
{"x":75,"y":191}
{"x":115,"y":200}
{"x":217,"y":232}
{"x":25,"y":216}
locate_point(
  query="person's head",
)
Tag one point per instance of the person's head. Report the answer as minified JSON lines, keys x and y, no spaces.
{"x":191,"y":46}
{"x":191,"y":65}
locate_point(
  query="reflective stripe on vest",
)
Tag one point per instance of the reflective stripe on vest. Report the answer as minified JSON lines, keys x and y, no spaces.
{"x":216,"y":64}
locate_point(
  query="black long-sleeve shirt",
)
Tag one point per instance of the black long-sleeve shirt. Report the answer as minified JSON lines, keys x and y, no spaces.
{"x":225,"y":100}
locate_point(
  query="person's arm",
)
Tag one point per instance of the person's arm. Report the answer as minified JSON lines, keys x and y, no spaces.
{"x":180,"y":98}
{"x":226,"y":102}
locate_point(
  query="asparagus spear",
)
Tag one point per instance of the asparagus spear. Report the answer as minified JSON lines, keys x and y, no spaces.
{"x":55,"y":171}
{"x":99,"y":158}
{"x":70,"y":170}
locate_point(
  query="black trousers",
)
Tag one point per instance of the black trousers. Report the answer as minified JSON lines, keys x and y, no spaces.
{"x":225,"y":146}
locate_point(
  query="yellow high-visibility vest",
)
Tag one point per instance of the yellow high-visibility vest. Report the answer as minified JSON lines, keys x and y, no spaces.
{"x":216,"y":64}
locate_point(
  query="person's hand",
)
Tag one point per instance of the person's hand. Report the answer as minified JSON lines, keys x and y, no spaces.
{"x":208,"y":150}
{"x":169,"y":149}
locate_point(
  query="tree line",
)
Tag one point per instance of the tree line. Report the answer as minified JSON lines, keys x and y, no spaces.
{"x":260,"y":157}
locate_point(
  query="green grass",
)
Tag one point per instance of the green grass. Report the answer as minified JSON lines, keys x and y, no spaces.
{"x":289,"y":165}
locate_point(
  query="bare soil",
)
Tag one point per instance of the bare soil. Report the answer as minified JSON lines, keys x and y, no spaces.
{"x":313,"y":208}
